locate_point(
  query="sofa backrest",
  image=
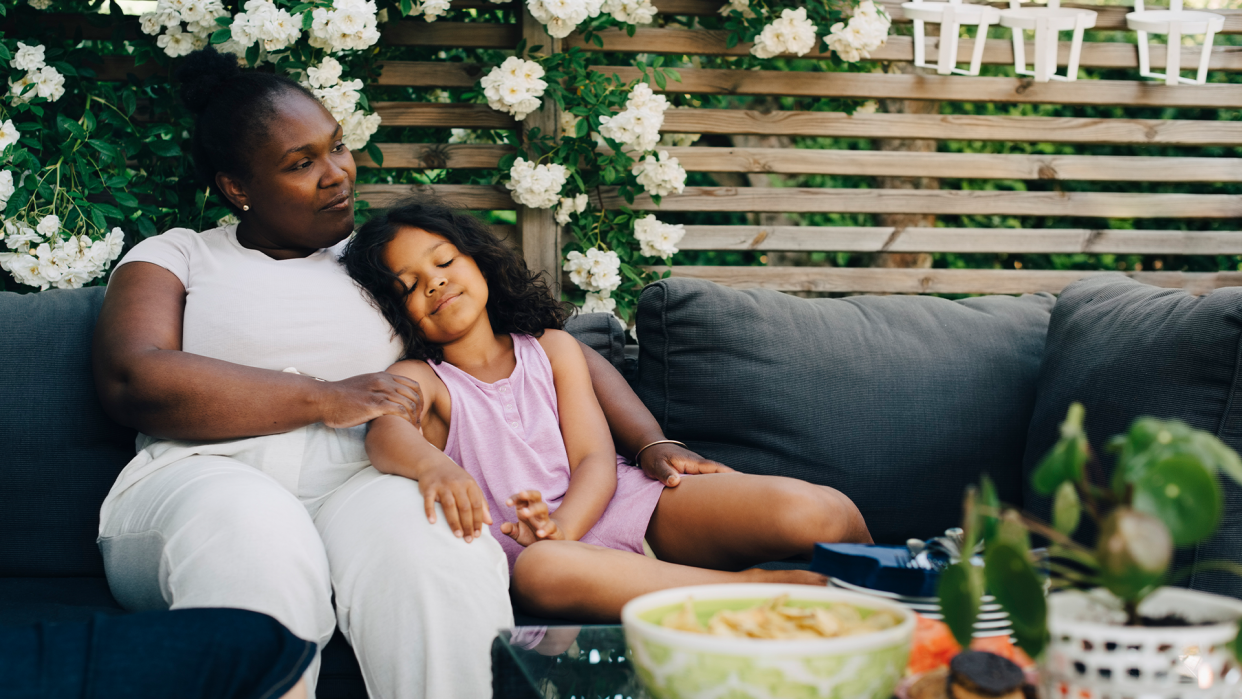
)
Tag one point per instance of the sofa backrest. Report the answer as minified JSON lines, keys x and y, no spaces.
{"x":60,"y":452}
{"x":897,"y":401}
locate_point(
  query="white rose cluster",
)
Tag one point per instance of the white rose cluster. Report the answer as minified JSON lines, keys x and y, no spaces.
{"x":656,"y":238}
{"x":199,"y":17}
{"x":792,"y":33}
{"x":40,"y":257}
{"x":631,"y":11}
{"x":273,"y":28}
{"x":340,"y":97}
{"x":742,"y":6}
{"x":350,"y":24}
{"x":536,"y":186}
{"x":571,"y":206}
{"x":561,"y":17}
{"x":637,"y":127}
{"x":601,"y":302}
{"x":597,"y":270}
{"x":431,"y":10}
{"x":660,"y":174}
{"x":40,"y":4}
{"x":514,"y":87}
{"x":40,"y":80}
{"x":866,"y":31}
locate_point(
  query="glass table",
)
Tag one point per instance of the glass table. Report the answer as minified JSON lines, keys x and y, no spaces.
{"x":583,"y":662}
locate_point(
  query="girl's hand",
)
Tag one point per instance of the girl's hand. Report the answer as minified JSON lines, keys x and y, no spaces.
{"x":666,"y":463}
{"x":534,"y":523}
{"x":363,"y":398}
{"x":465,"y":511}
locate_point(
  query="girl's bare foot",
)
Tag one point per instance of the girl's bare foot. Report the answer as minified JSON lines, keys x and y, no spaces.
{"x":797,"y":577}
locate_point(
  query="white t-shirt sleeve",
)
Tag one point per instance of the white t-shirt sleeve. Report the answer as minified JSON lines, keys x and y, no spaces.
{"x":173,"y":251}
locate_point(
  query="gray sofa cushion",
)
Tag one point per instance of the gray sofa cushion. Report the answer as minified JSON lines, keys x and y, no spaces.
{"x":60,"y":452}
{"x":898,"y":401}
{"x":602,"y":332}
{"x":1126,"y":349}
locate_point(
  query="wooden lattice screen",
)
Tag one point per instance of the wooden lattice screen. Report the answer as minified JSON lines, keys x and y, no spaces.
{"x":540,"y":238}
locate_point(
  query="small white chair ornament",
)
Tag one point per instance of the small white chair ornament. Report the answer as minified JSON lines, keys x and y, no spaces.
{"x":950,"y":16}
{"x":1047,"y":23}
{"x":1174,"y":22}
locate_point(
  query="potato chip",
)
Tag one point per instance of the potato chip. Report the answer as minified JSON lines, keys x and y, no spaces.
{"x":776,"y":619}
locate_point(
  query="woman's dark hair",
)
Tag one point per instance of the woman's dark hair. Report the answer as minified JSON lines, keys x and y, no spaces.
{"x":518,"y":301}
{"x":234,"y":110}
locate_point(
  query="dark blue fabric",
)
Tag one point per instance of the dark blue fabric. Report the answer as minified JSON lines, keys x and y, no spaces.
{"x":60,"y":453}
{"x":29,"y":600}
{"x":187,"y":653}
{"x":601,"y":332}
{"x":898,"y":401}
{"x":876,"y":568}
{"x":1124,"y":350}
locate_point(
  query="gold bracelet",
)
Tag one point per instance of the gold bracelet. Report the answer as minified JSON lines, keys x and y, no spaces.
{"x":639,"y":455}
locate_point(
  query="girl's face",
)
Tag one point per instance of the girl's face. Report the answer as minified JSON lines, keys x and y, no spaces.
{"x":449,"y":294}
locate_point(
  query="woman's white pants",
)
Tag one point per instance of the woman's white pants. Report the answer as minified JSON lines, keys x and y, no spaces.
{"x":419,"y":606}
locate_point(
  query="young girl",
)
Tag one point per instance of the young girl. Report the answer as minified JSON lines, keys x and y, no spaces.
{"x":513,"y":437}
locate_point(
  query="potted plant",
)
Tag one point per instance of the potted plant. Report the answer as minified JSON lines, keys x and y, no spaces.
{"x":1112,"y":627}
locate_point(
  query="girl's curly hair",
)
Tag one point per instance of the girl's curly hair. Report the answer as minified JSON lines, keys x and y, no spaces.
{"x":518,"y":300}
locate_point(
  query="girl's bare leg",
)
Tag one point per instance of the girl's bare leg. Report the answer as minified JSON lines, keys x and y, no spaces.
{"x":573,"y":580}
{"x":731,"y":521}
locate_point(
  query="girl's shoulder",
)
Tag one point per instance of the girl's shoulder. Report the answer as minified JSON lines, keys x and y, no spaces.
{"x":433,"y":388}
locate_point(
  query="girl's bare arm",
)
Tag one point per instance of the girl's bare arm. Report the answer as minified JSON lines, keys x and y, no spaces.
{"x":397,"y":447}
{"x":145,"y":381}
{"x":592,"y":456}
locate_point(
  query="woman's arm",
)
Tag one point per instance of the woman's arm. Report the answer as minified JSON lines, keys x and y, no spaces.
{"x":592,"y":456}
{"x":633,"y":426}
{"x":396,"y":446}
{"x":145,"y":381}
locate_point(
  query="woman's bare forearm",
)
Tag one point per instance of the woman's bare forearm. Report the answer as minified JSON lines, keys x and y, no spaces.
{"x":178,"y":395}
{"x":631,"y":424}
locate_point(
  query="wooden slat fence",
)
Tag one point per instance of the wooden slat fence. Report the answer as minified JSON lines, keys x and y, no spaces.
{"x":1183,"y":148}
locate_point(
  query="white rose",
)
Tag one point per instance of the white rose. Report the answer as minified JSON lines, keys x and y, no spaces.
{"x":40,"y":4}
{"x":631,"y":11}
{"x":8,"y":135}
{"x":599,"y":303}
{"x":176,"y":42}
{"x":358,"y":129}
{"x":326,"y":74}
{"x":571,"y":206}
{"x":656,"y":238}
{"x":661,"y":175}
{"x":536,"y":186}
{"x":6,"y":188}
{"x":742,"y":6}
{"x":48,"y":225}
{"x":28,"y":57}
{"x":595,"y":271}
{"x":792,"y":33}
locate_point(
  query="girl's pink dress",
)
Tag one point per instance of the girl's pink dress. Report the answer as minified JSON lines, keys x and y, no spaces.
{"x":507,"y":435}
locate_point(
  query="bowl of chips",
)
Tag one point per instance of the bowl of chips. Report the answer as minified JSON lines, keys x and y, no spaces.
{"x":767,"y":640}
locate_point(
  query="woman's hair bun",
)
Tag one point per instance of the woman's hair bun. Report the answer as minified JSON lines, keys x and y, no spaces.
{"x":203,"y":71}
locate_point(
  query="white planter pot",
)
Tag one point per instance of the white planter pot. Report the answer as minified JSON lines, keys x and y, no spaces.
{"x":1091,"y":655}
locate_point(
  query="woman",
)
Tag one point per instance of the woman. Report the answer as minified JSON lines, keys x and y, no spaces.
{"x":251,"y":488}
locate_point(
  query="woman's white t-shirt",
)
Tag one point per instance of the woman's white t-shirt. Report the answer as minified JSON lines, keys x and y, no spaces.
{"x":244,"y":307}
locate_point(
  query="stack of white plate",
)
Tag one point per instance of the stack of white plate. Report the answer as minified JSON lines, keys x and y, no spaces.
{"x":992,"y":620}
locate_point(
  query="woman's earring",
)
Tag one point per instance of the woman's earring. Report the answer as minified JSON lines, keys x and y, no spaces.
{"x":245,"y":207}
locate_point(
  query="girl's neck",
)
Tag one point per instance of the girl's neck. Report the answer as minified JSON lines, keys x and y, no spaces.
{"x":488,"y":357}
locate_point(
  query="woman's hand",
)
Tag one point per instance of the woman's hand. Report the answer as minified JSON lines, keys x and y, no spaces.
{"x":465,"y":511}
{"x":534,"y":523}
{"x":666,"y":463}
{"x":363,"y":398}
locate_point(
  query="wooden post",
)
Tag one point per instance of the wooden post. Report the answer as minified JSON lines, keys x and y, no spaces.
{"x":914,"y":145}
{"x":537,"y":228}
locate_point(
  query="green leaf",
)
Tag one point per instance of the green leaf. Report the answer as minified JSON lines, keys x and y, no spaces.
{"x":407,"y":6}
{"x":226,"y":21}
{"x":732,"y":40}
{"x":1133,"y":553}
{"x":659,"y":79}
{"x":990,"y":500}
{"x":108,"y":209}
{"x":302,"y":8}
{"x":125,"y":199}
{"x":1018,"y":588}
{"x":116,"y":181}
{"x":1180,"y":492}
{"x":220,"y":36}
{"x":1068,"y":457}
{"x":252,"y":53}
{"x":165,"y":149}
{"x":960,"y":592}
{"x":90,"y":124}
{"x":97,"y":218}
{"x":4,"y":53}
{"x":107,"y":149}
{"x":65,"y":68}
{"x":129,"y":102}
{"x":146,"y":227}
{"x":70,"y":126}
{"x":376,"y":154}
{"x":1066,"y":509}
{"x":308,"y":20}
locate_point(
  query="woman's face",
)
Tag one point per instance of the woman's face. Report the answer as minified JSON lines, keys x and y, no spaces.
{"x":301,"y":186}
{"x":449,"y":293}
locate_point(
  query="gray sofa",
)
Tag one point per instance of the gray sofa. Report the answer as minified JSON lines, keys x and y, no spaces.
{"x":897,"y":401}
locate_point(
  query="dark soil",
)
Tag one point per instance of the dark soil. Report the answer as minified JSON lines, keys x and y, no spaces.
{"x":1171,"y":620}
